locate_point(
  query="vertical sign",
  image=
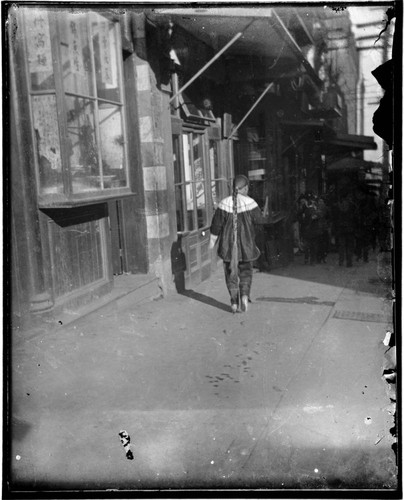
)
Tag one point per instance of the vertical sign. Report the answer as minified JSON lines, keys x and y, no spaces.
{"x":105,"y":53}
{"x":38,"y":42}
{"x":75,"y":48}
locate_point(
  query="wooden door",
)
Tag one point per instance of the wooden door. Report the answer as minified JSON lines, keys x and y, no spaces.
{"x":202,"y":179}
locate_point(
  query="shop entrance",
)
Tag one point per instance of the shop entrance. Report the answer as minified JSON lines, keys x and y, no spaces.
{"x":200,"y":183}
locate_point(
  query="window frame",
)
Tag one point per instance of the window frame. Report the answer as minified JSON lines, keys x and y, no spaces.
{"x":68,"y":198}
{"x":189,"y":130}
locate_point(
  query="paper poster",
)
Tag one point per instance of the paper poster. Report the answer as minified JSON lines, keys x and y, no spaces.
{"x":47,"y":130}
{"x":105,"y":53}
{"x":38,"y":43}
{"x":75,"y":47}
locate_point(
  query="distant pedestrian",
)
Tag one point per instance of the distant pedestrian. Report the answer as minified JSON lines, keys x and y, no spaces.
{"x":308,"y":219}
{"x":345,"y":229}
{"x":303,"y":218}
{"x":313,"y":229}
{"x":323,"y":229}
{"x":233,"y":227}
{"x":366,"y":220}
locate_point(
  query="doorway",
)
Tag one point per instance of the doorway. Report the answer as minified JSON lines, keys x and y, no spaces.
{"x":201,"y":180}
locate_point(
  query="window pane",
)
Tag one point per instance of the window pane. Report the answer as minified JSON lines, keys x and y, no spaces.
{"x":176,"y":159}
{"x":214,"y":171}
{"x":189,"y":195}
{"x":213,"y":160}
{"x":46,"y":131}
{"x":105,"y":46}
{"x":187,"y":156}
{"x":39,"y":49}
{"x":112,"y":146}
{"x":179,"y":207}
{"x":76,"y":56}
{"x":200,"y":181}
{"x":84,"y":162}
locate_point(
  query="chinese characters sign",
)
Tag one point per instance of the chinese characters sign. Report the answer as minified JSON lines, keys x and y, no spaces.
{"x":75,"y":47}
{"x":39,"y":44}
{"x":105,"y":52}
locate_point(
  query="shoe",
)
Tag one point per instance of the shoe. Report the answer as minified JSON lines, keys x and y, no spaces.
{"x":244,"y":303}
{"x":234,"y":308}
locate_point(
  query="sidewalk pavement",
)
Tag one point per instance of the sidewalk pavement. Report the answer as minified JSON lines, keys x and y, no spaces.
{"x":289,"y":395}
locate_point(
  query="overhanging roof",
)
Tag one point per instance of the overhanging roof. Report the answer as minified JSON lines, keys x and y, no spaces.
{"x":351,"y":141}
{"x":265,"y":37}
{"x":303,"y":124}
{"x":350,"y":164}
{"x":216,"y":26}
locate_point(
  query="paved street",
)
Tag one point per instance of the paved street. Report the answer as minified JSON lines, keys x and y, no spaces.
{"x":288,"y":395}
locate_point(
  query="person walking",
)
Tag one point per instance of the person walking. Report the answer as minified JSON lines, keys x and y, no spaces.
{"x":312,"y":231}
{"x":323,"y":228}
{"x":345,"y":228}
{"x":303,"y":218}
{"x":308,"y":220}
{"x":365,"y":222}
{"x":233,"y":231}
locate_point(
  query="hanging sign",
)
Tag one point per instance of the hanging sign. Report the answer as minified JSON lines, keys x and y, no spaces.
{"x":38,"y":42}
{"x":75,"y":48}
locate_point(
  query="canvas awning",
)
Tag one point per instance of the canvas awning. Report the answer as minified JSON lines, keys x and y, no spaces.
{"x":349,"y":164}
{"x":267,"y":36}
{"x":318,"y":128}
{"x":304,"y":124}
{"x":352,"y":142}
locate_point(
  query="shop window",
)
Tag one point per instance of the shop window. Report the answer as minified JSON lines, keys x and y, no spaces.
{"x":191,"y":112}
{"x":219,"y":183}
{"x":74,"y":69}
{"x":190,"y":174}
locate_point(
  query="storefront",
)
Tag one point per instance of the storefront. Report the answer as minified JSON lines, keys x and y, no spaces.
{"x":243,"y":81}
{"x":79,"y":213}
{"x":127,"y":129}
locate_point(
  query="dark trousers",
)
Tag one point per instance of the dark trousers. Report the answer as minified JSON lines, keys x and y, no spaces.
{"x":362,"y":245}
{"x":323,"y":244}
{"x":240,"y":284}
{"x":310,"y":249}
{"x":346,"y":243}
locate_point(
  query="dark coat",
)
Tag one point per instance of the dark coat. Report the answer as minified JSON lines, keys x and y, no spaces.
{"x":248,"y":214}
{"x":345,"y":217}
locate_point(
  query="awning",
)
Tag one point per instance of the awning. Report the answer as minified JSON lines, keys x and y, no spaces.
{"x":215,"y":26}
{"x":324,"y":113}
{"x":352,"y":142}
{"x":303,"y":124}
{"x":349,"y":165}
{"x":318,"y":128}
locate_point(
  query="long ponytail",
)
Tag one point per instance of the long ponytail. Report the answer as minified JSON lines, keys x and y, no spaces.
{"x":234,"y":252}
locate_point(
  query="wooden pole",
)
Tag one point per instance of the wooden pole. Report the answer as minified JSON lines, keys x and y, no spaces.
{"x":250,"y":111}
{"x":209,"y":63}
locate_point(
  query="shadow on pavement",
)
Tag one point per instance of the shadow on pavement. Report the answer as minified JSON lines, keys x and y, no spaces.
{"x":205,"y":299}
{"x":373,"y":278}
